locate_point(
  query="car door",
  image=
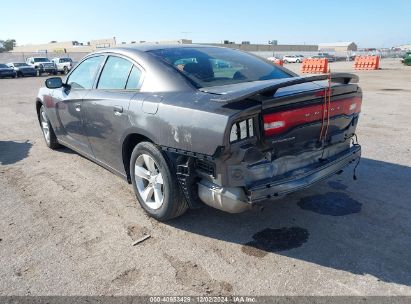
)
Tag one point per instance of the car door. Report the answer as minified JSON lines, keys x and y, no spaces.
{"x":69,"y":104}
{"x":107,"y":106}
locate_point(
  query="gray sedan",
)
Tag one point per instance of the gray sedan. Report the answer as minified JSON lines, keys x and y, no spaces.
{"x":188,"y":124}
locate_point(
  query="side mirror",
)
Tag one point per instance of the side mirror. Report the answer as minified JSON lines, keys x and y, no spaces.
{"x":54,"y":83}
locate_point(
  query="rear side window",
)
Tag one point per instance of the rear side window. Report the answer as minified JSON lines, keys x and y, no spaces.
{"x":212,"y":66}
{"x":115,"y":73}
{"x":133,"y":82}
{"x":83,"y":76}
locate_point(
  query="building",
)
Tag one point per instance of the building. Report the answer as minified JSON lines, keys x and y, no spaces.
{"x":405,"y":47}
{"x":180,"y":41}
{"x":66,"y":47}
{"x":338,"y":47}
{"x":72,"y":47}
{"x":291,"y":48}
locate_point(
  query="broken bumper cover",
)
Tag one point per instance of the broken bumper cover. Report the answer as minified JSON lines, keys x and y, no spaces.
{"x":303,"y":178}
{"x":235,"y":199}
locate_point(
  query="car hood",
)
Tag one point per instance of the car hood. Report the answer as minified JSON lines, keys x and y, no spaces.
{"x":6,"y":69}
{"x":26,"y":67}
{"x":46,"y":63}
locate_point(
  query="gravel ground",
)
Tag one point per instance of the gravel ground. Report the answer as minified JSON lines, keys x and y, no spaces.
{"x":67,"y":225}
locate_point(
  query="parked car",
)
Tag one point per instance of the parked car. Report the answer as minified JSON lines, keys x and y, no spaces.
{"x":22,"y":69}
{"x":6,"y":71}
{"x":273,"y":58}
{"x":63,"y":65}
{"x":183,"y":136}
{"x":330,"y":58}
{"x":293,"y":58}
{"x":43,"y":65}
{"x":406,"y":59}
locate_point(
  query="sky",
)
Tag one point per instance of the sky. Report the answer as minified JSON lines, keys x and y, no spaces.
{"x":368,"y":23}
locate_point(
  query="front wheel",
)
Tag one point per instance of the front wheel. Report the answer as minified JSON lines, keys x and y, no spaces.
{"x":155,"y":184}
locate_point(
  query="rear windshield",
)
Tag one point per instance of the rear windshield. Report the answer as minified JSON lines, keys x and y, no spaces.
{"x":65,"y":60}
{"x":209,"y":66}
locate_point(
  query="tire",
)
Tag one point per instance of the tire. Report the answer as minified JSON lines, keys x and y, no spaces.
{"x":65,"y":70}
{"x":155,"y":184}
{"x":297,"y":61}
{"x":49,"y":135}
{"x":38,"y":72}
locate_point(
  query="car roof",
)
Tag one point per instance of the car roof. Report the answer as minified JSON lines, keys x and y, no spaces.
{"x":147,"y":47}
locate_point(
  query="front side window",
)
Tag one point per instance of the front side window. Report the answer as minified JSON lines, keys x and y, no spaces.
{"x":83,"y":76}
{"x":115,"y":74}
{"x":208,"y":66}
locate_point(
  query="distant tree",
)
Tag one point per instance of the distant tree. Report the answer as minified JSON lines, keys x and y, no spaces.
{"x":2,"y":46}
{"x":9,"y":44}
{"x":53,"y":41}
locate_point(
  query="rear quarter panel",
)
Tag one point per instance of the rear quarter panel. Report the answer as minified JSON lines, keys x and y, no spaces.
{"x":187,"y":121}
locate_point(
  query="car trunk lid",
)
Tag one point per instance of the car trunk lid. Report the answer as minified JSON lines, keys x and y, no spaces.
{"x":298,"y":113}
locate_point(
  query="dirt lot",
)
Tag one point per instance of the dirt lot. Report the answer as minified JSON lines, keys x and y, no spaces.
{"x":67,"y":225}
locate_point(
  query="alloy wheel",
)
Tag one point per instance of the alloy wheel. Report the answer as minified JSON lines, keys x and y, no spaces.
{"x":45,"y":126}
{"x":149,"y":181}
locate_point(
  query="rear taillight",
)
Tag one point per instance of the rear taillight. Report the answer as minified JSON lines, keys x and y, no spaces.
{"x":280,"y":122}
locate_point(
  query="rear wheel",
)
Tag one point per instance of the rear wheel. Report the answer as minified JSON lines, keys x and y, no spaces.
{"x":47,"y":129}
{"x":155,"y":184}
{"x":65,"y":70}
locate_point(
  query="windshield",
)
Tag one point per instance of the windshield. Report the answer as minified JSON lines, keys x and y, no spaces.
{"x":209,"y":66}
{"x":3,"y":66}
{"x":41,"y":60}
{"x":19,"y":64}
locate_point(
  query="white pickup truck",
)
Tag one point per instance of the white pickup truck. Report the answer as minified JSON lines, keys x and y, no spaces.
{"x":42,"y":64}
{"x":63,"y":64}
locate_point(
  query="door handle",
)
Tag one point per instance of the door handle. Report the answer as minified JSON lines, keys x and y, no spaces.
{"x":118,"y":110}
{"x":77,"y":107}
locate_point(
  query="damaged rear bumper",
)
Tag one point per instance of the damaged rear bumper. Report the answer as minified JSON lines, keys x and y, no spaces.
{"x":303,"y":178}
{"x":238,"y":199}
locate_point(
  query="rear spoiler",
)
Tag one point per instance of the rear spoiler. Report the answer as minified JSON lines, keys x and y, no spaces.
{"x":271,"y":86}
